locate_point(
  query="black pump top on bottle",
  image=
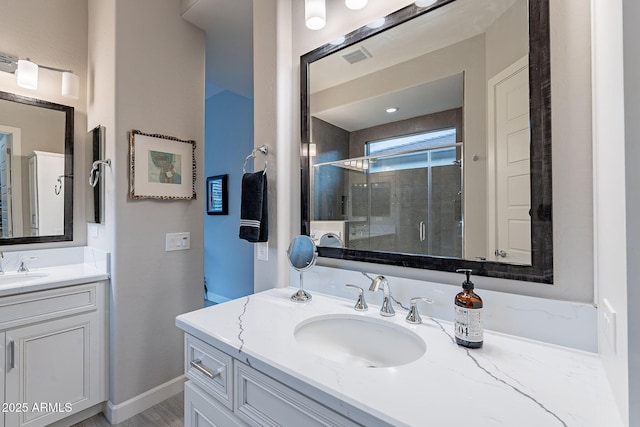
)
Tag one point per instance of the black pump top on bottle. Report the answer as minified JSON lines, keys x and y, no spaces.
{"x":467,"y":284}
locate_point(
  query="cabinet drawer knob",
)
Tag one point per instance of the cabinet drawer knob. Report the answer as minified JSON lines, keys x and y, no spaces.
{"x":197,"y":364}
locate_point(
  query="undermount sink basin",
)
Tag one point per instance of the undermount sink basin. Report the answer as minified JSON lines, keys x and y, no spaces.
{"x":359,"y":341}
{"x":16,"y":278}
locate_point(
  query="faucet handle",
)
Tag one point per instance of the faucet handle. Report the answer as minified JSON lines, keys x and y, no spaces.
{"x":414,"y":317}
{"x":23,"y":266}
{"x":361,"y":304}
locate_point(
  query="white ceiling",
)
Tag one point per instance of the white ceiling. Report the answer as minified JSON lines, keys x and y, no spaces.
{"x":427,"y":98}
{"x":457,"y":21}
{"x":229,"y":43}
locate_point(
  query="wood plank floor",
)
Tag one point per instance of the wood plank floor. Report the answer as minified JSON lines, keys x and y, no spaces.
{"x":165,"y":414}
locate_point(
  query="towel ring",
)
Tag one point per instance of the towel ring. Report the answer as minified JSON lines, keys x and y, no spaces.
{"x":264,"y":150}
{"x":94,"y":174}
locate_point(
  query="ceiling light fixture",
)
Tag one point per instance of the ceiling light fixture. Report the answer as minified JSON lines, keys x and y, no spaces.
{"x":27,"y":71}
{"x":355,"y":4}
{"x":315,"y":14}
{"x":391,"y":110}
{"x":425,"y":3}
{"x":377,"y":23}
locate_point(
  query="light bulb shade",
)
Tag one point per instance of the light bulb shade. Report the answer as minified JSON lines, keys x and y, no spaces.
{"x":424,"y":3}
{"x":315,"y":14}
{"x":355,"y":4}
{"x":377,"y":23}
{"x":27,"y":74}
{"x":70,"y":85}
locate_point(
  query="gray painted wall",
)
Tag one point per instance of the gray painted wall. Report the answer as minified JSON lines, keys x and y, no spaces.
{"x":134,"y":86}
{"x":52,"y":33}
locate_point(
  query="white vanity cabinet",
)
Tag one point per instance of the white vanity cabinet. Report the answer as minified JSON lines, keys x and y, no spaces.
{"x":54,"y":353}
{"x":226,"y":392}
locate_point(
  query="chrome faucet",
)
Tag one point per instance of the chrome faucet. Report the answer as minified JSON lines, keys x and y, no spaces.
{"x":381,"y":283}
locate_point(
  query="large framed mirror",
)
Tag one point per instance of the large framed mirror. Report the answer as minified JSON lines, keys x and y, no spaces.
{"x":426,"y":142}
{"x":36,"y":170}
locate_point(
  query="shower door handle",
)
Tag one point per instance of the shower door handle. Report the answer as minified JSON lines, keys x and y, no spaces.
{"x":422,"y":229}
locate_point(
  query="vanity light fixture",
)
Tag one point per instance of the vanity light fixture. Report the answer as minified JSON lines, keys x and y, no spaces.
{"x":355,"y":4}
{"x":315,"y":14}
{"x":377,"y":23}
{"x":26,"y":73}
{"x":391,"y":110}
{"x":425,"y":3}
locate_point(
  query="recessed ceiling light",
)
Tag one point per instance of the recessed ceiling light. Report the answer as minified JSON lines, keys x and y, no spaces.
{"x":391,"y":109}
{"x":377,"y":23}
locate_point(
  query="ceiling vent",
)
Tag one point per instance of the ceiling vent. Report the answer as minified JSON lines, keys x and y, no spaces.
{"x":357,"y":55}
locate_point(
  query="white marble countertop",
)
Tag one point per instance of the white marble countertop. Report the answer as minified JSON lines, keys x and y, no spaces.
{"x":510,"y":381}
{"x":38,"y":279}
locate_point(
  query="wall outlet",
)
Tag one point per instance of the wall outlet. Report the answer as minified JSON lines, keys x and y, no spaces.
{"x":177,"y":241}
{"x":609,"y":323}
{"x":262,"y":251}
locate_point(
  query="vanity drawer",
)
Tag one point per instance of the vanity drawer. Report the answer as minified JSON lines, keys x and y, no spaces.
{"x":38,"y":306}
{"x":200,"y":410}
{"x":263,"y":401}
{"x":210,"y":368}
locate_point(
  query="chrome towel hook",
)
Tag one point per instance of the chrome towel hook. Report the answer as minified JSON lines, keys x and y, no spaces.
{"x":58,"y":187}
{"x":94,"y":174}
{"x":263,"y":149}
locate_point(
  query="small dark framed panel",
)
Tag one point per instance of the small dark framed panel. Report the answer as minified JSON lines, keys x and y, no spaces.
{"x":217,"y":195}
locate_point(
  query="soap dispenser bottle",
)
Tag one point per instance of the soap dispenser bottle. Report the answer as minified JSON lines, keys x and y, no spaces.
{"x":468,"y":316}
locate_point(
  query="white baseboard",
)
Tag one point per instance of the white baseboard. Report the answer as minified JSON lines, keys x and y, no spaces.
{"x":127,"y":409}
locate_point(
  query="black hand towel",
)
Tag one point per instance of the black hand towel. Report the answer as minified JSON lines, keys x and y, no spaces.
{"x":254,"y":224}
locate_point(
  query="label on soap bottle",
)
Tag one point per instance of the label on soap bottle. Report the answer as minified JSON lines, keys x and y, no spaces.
{"x":468,"y":324}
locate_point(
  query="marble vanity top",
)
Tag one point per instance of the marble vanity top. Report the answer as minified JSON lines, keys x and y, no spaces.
{"x":38,"y":279}
{"x":510,"y":381}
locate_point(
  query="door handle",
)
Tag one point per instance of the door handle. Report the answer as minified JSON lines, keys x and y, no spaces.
{"x":423,"y":231}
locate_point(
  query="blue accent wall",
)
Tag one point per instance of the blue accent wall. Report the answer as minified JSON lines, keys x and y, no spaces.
{"x":228,"y":260}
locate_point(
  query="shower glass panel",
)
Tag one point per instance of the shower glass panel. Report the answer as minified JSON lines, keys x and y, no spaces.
{"x":404,"y":195}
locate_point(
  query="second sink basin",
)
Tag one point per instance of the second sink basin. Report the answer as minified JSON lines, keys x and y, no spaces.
{"x":359,"y":341}
{"x":17,"y":278}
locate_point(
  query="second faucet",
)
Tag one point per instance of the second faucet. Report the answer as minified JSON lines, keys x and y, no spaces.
{"x":381,"y":283}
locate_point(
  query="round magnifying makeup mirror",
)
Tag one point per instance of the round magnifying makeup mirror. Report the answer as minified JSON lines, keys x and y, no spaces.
{"x":302,"y":255}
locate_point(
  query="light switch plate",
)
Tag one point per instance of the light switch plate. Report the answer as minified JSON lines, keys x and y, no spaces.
{"x":609,"y":323}
{"x":262,"y":250}
{"x":177,"y":241}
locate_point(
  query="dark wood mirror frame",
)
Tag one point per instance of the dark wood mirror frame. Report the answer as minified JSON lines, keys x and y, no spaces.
{"x":68,"y":171}
{"x":541,"y":268}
